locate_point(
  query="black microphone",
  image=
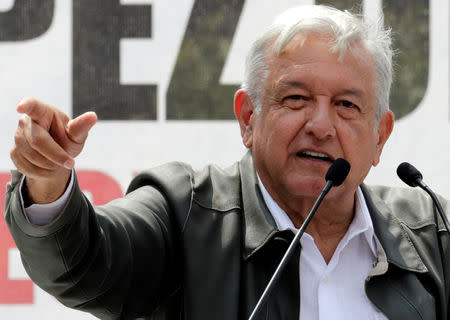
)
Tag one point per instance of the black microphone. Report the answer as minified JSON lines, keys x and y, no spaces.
{"x":412,"y":177}
{"x":336,"y":174}
{"x":409,"y":174}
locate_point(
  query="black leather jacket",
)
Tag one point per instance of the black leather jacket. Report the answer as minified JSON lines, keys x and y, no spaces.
{"x":186,"y":245}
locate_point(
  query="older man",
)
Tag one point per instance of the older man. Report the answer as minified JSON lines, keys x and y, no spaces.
{"x":204,"y":245}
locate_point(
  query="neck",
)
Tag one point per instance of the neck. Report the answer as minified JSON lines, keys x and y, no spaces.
{"x":330,"y":222}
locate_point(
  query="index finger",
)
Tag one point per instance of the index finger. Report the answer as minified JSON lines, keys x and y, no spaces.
{"x":34,"y":108}
{"x":41,"y":141}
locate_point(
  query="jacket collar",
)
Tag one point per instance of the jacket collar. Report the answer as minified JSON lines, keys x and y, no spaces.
{"x":392,"y":235}
{"x":258,"y":225}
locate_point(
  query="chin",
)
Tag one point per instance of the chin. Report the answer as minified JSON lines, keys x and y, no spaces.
{"x":306,"y":187}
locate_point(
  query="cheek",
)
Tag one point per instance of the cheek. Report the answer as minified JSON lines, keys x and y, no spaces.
{"x":359,"y":143}
{"x":272,"y":130}
{"x":287,"y":123}
{"x":273,"y":137}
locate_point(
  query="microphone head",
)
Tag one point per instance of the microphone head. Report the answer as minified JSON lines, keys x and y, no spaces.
{"x":338,"y":172}
{"x":409,"y":174}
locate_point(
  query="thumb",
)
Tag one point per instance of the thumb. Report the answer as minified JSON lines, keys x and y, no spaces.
{"x":78,"y":128}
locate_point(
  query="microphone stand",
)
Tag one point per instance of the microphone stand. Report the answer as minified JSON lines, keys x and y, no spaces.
{"x":289,"y":252}
{"x":412,"y":177}
{"x":437,"y":203}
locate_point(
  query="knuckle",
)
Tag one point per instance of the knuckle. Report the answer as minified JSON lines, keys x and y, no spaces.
{"x":36,"y":140}
{"x":50,"y":165}
{"x":64,"y":118}
{"x":18,"y":137}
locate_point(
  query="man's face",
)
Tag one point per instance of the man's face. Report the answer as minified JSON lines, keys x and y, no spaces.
{"x":315,"y":109}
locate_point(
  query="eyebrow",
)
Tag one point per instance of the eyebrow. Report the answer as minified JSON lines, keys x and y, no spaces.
{"x":285,"y":85}
{"x":282,"y":84}
{"x":353,"y":92}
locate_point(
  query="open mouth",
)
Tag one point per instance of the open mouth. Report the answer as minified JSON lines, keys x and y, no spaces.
{"x":314,"y":155}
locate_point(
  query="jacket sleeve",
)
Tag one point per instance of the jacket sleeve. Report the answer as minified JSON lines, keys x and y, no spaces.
{"x":116,"y":261}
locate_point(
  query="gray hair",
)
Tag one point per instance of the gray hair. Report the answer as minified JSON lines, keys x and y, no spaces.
{"x":341,"y":27}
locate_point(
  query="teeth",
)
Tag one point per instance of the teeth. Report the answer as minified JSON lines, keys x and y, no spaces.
{"x":315,"y":154}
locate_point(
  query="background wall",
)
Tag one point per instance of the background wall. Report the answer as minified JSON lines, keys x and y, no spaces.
{"x":161,"y":75}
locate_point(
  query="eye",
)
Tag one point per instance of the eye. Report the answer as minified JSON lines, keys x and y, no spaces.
{"x":347,"y":104}
{"x":347,"y":109}
{"x":296,"y":97}
{"x":295,"y":101}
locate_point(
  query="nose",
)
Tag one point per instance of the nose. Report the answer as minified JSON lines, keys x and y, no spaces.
{"x":320,"y":122}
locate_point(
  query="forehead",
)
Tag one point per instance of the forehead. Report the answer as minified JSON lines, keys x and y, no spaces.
{"x":311,"y":58}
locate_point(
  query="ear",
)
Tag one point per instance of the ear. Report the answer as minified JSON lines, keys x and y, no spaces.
{"x":385,"y":126}
{"x":243,"y":110}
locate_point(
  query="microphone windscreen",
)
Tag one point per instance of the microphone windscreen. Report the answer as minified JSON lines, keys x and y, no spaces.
{"x":409,"y":174}
{"x":338,"y":172}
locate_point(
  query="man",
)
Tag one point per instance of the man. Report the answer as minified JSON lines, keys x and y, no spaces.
{"x":204,"y":245}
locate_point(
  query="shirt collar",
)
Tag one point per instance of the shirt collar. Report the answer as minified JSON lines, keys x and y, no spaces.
{"x":362,"y":223}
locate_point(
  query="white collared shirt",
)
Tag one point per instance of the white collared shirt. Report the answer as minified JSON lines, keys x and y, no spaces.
{"x":335,"y":290}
